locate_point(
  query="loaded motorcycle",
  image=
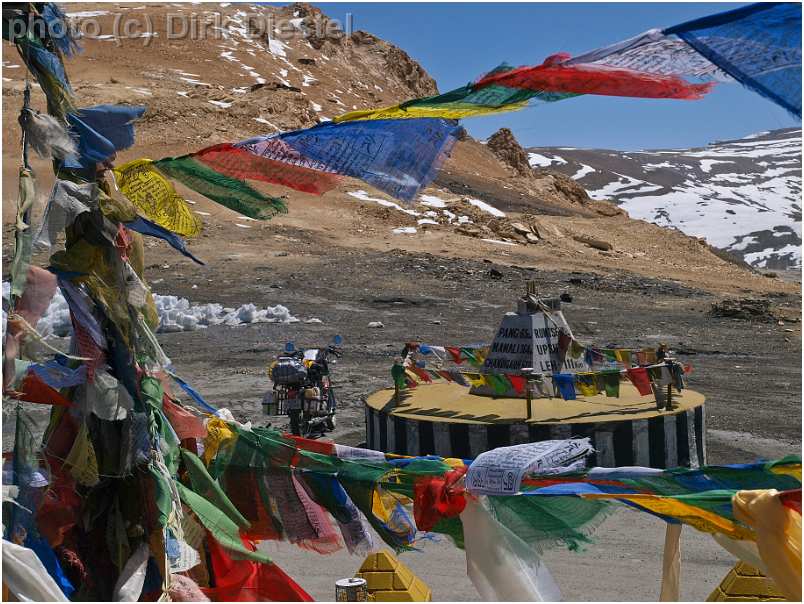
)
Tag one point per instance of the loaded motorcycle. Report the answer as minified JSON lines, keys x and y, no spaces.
{"x":302,"y":389}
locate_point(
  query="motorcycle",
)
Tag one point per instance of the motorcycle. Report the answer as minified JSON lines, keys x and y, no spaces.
{"x":302,"y":389}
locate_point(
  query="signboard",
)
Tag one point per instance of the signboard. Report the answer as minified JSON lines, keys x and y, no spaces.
{"x":530,"y":341}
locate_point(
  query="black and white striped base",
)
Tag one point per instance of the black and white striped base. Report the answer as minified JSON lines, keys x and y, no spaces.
{"x":662,"y":441}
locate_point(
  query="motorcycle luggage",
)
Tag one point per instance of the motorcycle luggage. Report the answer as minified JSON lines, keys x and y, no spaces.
{"x":270,"y":405}
{"x":288,"y":371}
{"x":312,"y":393}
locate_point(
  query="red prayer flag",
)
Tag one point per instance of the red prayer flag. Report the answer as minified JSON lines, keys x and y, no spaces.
{"x":639,"y":377}
{"x":791,"y":499}
{"x":323,"y":447}
{"x":249,"y":581}
{"x":185,"y":423}
{"x":422,"y":373}
{"x":455,"y":353}
{"x":241,"y":164}
{"x":436,"y":498}
{"x":518,"y":382}
{"x":34,"y":390}
{"x":554,"y":75}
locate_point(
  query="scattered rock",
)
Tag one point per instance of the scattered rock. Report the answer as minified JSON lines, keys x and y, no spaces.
{"x":532,"y":238}
{"x":495,"y":274}
{"x":592,"y":242}
{"x":505,"y":146}
{"x":751,"y":309}
{"x":567,"y":187}
{"x":565,"y":297}
{"x":376,"y":325}
{"x":521,"y":228}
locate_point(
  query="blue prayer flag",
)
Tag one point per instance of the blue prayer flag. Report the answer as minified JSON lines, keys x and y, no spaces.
{"x":758,"y":45}
{"x":398,"y":157}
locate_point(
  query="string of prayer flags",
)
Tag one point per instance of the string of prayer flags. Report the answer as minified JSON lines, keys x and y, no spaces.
{"x":398,"y":157}
{"x":155,"y":197}
{"x":230,"y":192}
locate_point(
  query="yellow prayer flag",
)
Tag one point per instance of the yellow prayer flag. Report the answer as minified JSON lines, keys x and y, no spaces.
{"x":451,"y":111}
{"x":155,"y":197}
{"x":778,"y":536}
{"x":475,"y":379}
{"x":82,"y":460}
{"x":698,"y":518}
{"x":219,"y":435}
{"x":586,"y":383}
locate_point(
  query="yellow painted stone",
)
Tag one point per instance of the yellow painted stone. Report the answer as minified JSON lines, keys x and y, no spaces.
{"x":389,"y":580}
{"x":393,"y":596}
{"x":403,"y":577}
{"x":745,"y":583}
{"x":379,"y":561}
{"x":378,"y":580}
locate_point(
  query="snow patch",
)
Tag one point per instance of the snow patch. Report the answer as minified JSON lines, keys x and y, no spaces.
{"x":498,"y":242}
{"x":432,"y":201}
{"x":363,"y":196}
{"x":277,"y":47}
{"x":583,"y":171}
{"x":542,"y":161}
{"x":478,"y":203}
{"x":175,"y":314}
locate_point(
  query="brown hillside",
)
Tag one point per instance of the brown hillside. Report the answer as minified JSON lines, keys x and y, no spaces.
{"x":233,"y":84}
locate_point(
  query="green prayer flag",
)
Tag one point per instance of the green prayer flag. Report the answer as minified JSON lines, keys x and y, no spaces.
{"x":164,"y":500}
{"x":233,"y":193}
{"x":398,"y":374}
{"x":219,"y":524}
{"x":207,"y":487}
{"x":611,"y":382}
{"x":500,"y":383}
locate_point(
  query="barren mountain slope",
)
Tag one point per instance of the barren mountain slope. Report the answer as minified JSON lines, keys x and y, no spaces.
{"x":231,"y":84}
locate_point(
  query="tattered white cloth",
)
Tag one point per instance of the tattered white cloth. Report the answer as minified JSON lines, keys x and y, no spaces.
{"x":67,"y":201}
{"x":26,"y":577}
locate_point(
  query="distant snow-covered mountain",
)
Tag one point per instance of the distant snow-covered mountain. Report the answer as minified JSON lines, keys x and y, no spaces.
{"x":741,"y":195}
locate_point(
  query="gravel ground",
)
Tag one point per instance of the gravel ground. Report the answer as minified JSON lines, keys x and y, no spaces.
{"x":749,"y":371}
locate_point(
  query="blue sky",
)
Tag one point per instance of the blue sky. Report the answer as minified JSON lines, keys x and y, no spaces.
{"x":457,"y":42}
